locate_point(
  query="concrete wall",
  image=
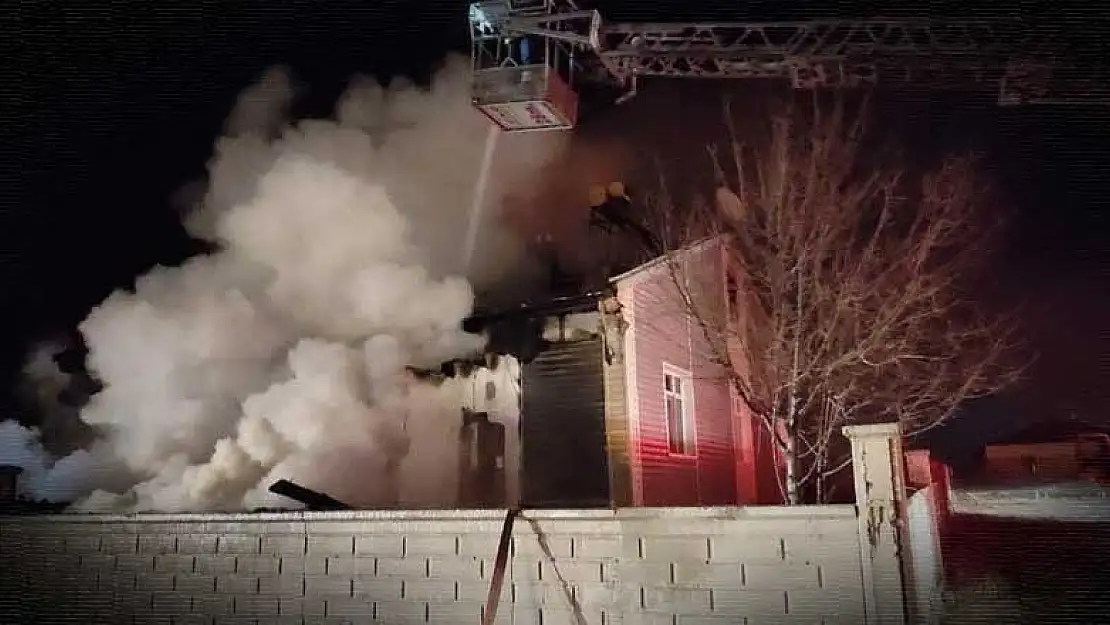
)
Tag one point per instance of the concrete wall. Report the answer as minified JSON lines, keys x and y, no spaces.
{"x":1076,"y":501}
{"x":1006,"y":565}
{"x":707,"y":566}
{"x":878,"y":468}
{"x":703,"y":565}
{"x":1000,"y":554}
{"x":925,"y":554}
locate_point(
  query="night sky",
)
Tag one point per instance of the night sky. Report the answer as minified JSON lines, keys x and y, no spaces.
{"x":118,"y":106}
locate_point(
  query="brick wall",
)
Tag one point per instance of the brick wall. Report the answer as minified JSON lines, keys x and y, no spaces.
{"x":699,"y":565}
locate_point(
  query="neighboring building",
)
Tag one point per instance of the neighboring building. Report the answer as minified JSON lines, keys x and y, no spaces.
{"x":612,"y":398}
{"x":1052,"y":450}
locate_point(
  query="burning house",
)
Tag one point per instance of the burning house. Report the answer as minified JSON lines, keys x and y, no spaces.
{"x":606,"y":397}
{"x":610,"y":398}
{"x":543,"y":380}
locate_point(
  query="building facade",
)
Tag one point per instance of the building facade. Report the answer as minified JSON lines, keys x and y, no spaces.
{"x":1053,"y":450}
{"x":691,"y":440}
{"x":615,"y":398}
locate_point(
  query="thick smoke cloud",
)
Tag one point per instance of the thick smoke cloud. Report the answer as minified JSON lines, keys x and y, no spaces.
{"x":285,"y":354}
{"x":61,"y":480}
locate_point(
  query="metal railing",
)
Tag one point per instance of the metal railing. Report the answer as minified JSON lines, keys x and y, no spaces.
{"x":510,"y":84}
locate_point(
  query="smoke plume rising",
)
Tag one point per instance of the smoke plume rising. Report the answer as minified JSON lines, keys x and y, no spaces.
{"x":284,"y":354}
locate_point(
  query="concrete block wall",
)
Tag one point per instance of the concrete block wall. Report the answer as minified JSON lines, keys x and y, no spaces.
{"x":703,"y":566}
{"x":1075,"y":501}
{"x":924,"y":553}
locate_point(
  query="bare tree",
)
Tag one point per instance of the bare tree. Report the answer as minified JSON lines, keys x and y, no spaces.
{"x":850,"y":278}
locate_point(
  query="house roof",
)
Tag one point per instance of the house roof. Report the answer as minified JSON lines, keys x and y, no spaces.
{"x":554,"y":306}
{"x":1052,"y":431}
{"x":562,"y":305}
{"x":659,"y":260}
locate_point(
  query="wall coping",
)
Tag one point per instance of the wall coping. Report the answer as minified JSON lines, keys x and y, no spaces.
{"x":623,"y":514}
{"x":872,"y":430}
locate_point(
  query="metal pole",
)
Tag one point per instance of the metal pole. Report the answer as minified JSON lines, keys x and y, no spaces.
{"x":502,"y":561}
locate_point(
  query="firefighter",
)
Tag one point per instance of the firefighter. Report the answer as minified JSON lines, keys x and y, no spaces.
{"x":482,"y":451}
{"x":525,"y":52}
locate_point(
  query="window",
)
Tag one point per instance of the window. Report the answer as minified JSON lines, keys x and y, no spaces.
{"x":677,"y":400}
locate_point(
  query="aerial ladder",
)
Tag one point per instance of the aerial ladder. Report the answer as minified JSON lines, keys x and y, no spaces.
{"x":531,"y":56}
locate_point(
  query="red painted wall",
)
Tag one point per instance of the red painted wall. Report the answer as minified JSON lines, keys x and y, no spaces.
{"x":923,"y":470}
{"x":918,"y":471}
{"x":722,"y":470}
{"x":757,"y":461}
{"x":745,"y":439}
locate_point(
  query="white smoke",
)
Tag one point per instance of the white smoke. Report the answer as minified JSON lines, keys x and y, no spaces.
{"x":43,"y":477}
{"x":284,"y":354}
{"x":43,"y":381}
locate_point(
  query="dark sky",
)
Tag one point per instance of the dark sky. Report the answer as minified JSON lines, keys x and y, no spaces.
{"x":118,"y":105}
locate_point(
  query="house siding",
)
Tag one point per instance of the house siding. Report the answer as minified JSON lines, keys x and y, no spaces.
{"x":631,"y":395}
{"x":757,"y":461}
{"x":714,"y":410}
{"x":748,"y":459}
{"x":617,"y":438}
{"x":563,"y":426}
{"x":663,"y":334}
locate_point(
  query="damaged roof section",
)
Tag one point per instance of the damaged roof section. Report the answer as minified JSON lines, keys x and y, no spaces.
{"x":523,"y":332}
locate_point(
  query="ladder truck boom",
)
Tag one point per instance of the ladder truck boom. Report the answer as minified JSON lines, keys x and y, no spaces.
{"x":530,"y":56}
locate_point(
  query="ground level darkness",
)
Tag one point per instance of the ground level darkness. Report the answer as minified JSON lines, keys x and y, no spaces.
{"x":1023,"y":571}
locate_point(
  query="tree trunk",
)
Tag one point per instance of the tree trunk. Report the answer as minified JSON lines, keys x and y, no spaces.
{"x":790,"y":459}
{"x":819,"y":474}
{"x":793,"y":497}
{"x":793,"y":487}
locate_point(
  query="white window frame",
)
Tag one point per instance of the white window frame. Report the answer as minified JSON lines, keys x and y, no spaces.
{"x":686,"y":396}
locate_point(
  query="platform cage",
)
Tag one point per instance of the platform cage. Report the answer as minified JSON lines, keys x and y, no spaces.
{"x":529,"y":7}
{"x":521,"y":77}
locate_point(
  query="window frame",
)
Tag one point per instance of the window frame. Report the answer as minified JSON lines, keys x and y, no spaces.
{"x":688,"y":427}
